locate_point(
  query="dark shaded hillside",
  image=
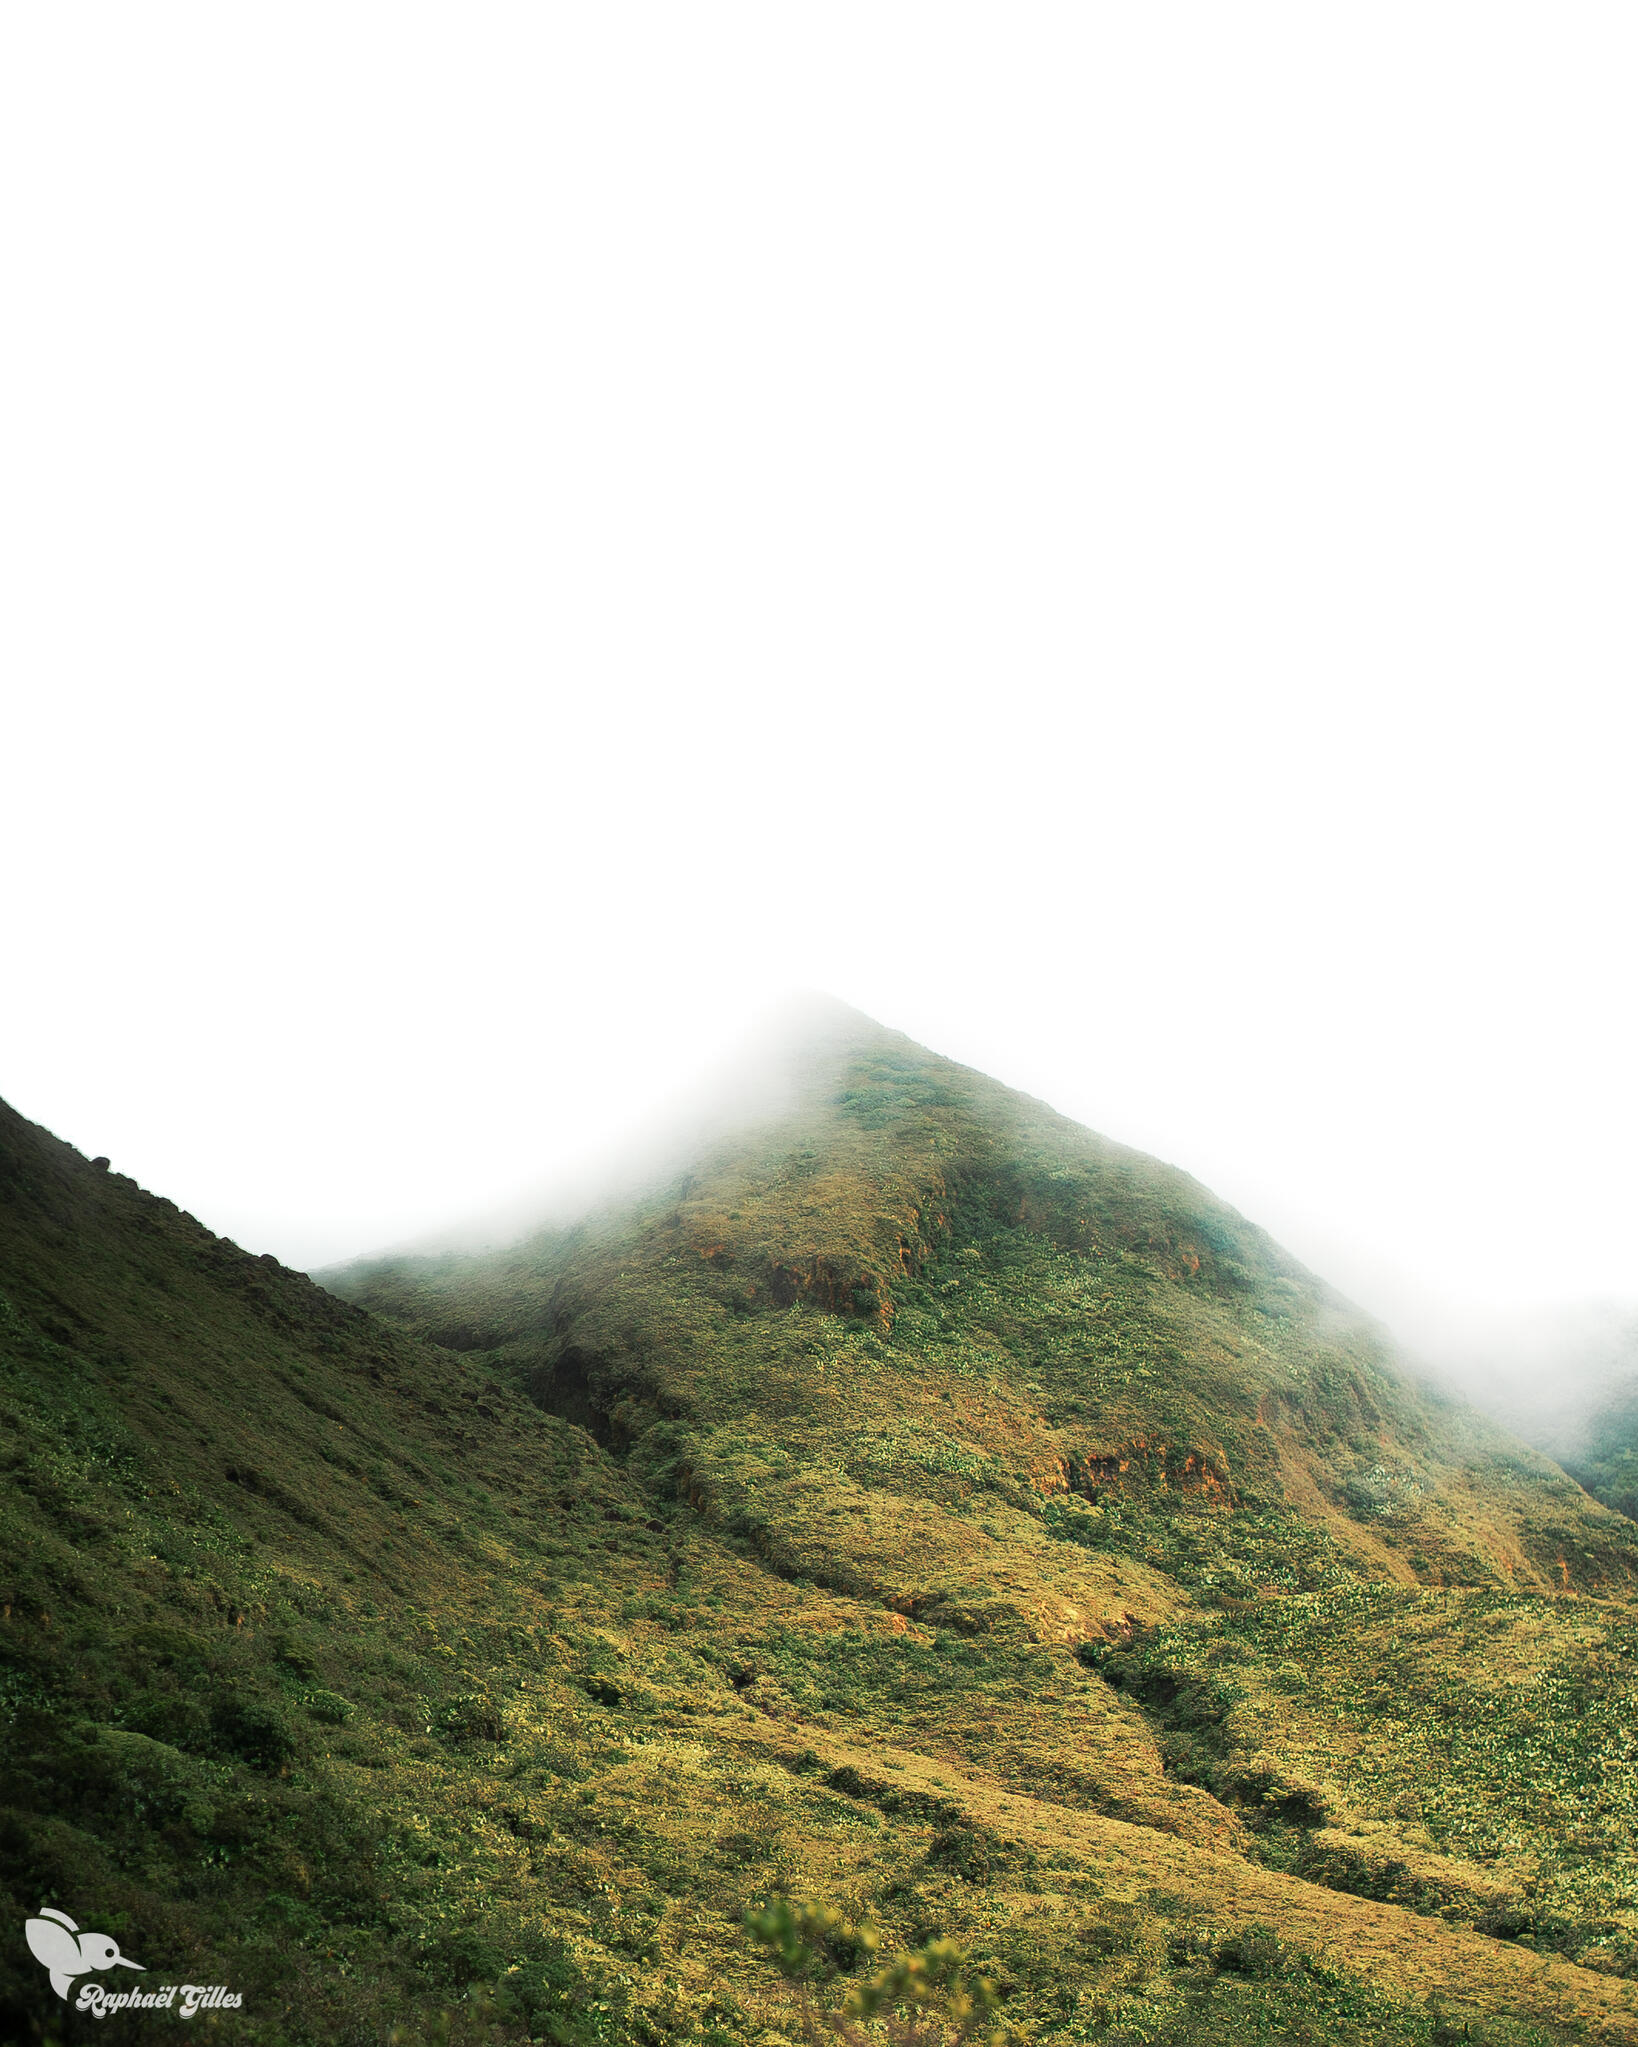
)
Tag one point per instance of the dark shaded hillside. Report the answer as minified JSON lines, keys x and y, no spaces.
{"x":335,"y":1668}
{"x":257,"y":1551}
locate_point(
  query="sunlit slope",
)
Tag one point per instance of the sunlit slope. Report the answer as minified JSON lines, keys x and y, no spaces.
{"x":925,"y":1341}
{"x":1473,"y":1754}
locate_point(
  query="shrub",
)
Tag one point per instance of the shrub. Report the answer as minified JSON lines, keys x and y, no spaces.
{"x":925,"y":1996}
{"x":472,"y":1716}
{"x":1255,"y":1951}
{"x":544,"y":1985}
{"x":972,"y":1853}
{"x":461,"y":1958}
{"x":330,"y":1707}
{"x":252,"y":1731}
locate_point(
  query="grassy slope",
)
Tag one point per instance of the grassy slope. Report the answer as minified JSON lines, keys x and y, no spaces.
{"x":333,"y":1668}
{"x":1605,"y":1459}
{"x":1571,"y":1389}
{"x":917,"y":1257}
{"x":926,"y":1347}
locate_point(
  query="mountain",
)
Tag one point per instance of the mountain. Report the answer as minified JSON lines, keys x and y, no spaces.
{"x":1606,"y":1458}
{"x":906,"y":1245}
{"x":913,"y":1505}
{"x":1566,"y":1380}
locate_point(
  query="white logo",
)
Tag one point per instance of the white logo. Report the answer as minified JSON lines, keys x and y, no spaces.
{"x":57,"y":1942}
{"x":52,"y":1939}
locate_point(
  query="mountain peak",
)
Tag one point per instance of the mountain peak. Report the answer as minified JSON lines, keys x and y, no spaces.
{"x":907,"y":1499}
{"x":910,"y":1231}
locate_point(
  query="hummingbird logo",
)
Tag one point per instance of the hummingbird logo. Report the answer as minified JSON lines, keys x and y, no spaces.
{"x":57,"y":1942}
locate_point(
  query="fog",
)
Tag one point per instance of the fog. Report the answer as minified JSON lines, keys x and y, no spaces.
{"x":1102,"y":539}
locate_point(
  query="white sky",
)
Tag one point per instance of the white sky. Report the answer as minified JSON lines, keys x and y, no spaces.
{"x":1103,"y":536}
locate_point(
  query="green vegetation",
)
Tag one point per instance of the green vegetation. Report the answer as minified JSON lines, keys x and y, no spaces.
{"x":1470,"y":1754}
{"x":928,"y":1995}
{"x":918,"y":1506}
{"x":1607,"y":1462}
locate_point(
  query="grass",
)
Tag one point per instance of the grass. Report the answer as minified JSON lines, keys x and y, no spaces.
{"x":1472,"y":1754}
{"x":861,"y":1517}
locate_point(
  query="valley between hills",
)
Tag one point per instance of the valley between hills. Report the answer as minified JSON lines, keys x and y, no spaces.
{"x":914,"y":1515}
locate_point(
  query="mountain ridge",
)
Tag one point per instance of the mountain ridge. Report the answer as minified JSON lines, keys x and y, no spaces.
{"x":907,"y":1505}
{"x":854,"y":1188}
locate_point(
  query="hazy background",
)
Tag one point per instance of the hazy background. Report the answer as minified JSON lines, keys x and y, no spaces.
{"x":1103,"y":537}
